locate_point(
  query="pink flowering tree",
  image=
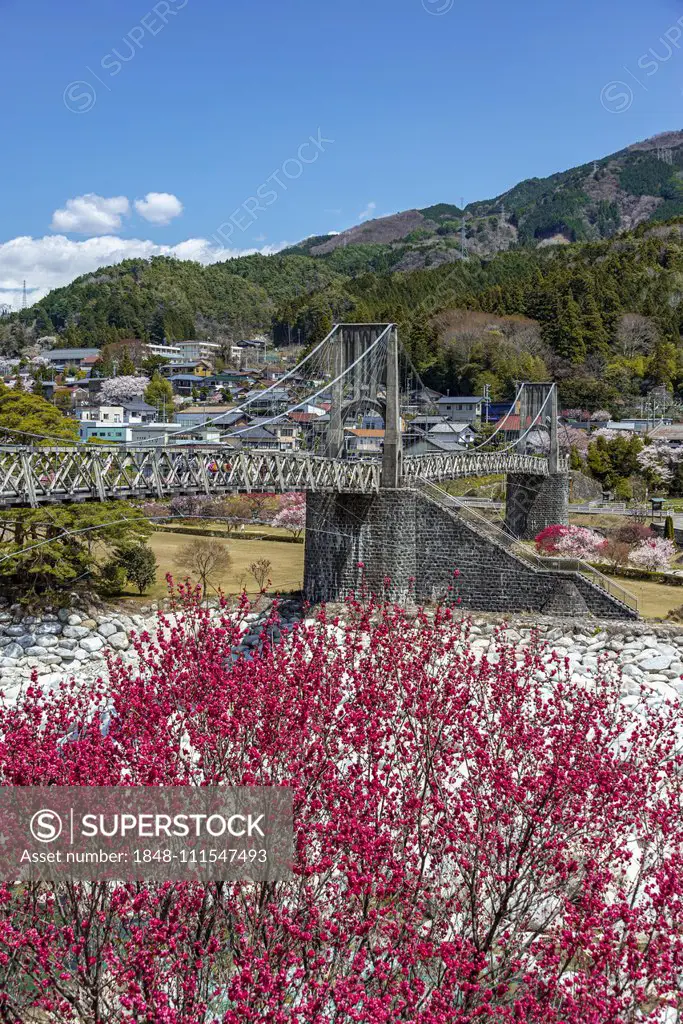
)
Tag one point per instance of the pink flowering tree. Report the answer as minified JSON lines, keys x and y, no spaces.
{"x":474,"y":841}
{"x":122,"y":389}
{"x":654,"y":554}
{"x":570,"y":542}
{"x":292,"y":514}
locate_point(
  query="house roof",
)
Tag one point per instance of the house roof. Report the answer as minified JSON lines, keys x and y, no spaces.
{"x":450,"y":428}
{"x":460,"y":400}
{"x":138,"y":405}
{"x":674,"y":432}
{"x":189,"y":378}
{"x":427,"y":421}
{"x":363,"y":432}
{"x":69,"y":353}
{"x":257,"y":432}
{"x":303,"y":417}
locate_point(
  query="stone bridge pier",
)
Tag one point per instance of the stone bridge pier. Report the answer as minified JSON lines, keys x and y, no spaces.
{"x":404,"y":544}
{"x":534,"y":502}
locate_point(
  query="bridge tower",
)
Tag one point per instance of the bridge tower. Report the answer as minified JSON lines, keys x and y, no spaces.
{"x":356,"y":383}
{"x":534,"y":502}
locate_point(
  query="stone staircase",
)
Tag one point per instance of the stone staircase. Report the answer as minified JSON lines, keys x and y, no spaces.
{"x":578,"y":588}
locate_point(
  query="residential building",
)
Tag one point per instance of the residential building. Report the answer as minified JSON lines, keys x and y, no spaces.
{"x":197,"y":416}
{"x":185,"y":383}
{"x":461,"y":408}
{"x":60,"y":358}
{"x":169,"y":351}
{"x":265,"y":437}
{"x":104,"y":431}
{"x":198,"y":349}
{"x":267,"y":402}
{"x":363,"y":442}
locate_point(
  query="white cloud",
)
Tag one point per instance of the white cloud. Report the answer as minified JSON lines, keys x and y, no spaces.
{"x":367,"y":212}
{"x":91,"y":214}
{"x":159,"y":207}
{"x":54,"y":261}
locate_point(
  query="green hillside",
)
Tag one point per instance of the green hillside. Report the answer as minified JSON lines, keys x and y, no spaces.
{"x":602,"y":312}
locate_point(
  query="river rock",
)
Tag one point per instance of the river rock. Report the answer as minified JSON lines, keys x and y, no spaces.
{"x":106,"y":629}
{"x":48,"y":641}
{"x":75,"y":632}
{"x":119,"y":641}
{"x":655,"y":663}
{"x":91,"y":644}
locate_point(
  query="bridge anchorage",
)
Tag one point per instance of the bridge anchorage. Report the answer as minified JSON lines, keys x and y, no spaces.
{"x":374,"y":511}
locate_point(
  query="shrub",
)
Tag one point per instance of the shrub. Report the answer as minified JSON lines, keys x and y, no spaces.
{"x":632,"y":533}
{"x":473,"y":842}
{"x":139,"y":565}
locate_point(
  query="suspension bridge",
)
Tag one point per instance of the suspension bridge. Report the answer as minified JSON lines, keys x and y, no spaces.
{"x":367,"y":519}
{"x":360,"y":367}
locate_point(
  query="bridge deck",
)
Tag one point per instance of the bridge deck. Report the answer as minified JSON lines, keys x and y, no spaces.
{"x":38,"y":476}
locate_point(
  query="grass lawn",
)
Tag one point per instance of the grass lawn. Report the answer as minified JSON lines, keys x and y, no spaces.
{"x":287,"y":560}
{"x":656,"y":599}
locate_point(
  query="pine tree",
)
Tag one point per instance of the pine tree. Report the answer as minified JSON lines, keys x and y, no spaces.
{"x":126,"y":366}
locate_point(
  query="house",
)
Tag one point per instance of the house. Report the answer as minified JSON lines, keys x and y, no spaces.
{"x":267,"y":402}
{"x":185,"y":383}
{"x":220,"y":415}
{"x":362,"y":442}
{"x":59,"y":358}
{"x":199,"y":367}
{"x":257,"y":436}
{"x":139,"y":411}
{"x":461,"y":408}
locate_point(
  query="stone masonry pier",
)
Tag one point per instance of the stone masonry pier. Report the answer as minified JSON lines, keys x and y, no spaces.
{"x":408,"y":538}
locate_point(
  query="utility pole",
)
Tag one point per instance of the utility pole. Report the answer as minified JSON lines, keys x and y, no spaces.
{"x":487,"y":399}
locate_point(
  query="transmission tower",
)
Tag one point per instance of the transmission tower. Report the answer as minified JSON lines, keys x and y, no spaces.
{"x":463,"y":243}
{"x":24,"y":301}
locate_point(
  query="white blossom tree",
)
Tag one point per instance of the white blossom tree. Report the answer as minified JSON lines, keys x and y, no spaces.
{"x":122,"y":389}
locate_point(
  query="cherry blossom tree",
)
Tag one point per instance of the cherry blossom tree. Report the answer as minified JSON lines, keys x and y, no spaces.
{"x":658,"y":462}
{"x":122,"y":389}
{"x":655,"y":553}
{"x":474,"y":841}
{"x":292,"y":514}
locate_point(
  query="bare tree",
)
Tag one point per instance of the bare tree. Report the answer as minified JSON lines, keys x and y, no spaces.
{"x":261,"y":572}
{"x":636,"y":334}
{"x":206,"y":561}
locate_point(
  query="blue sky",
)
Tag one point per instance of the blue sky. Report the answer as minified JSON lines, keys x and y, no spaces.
{"x":421,"y":101}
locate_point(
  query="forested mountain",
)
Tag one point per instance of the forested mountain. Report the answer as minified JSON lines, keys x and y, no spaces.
{"x":615,"y":193}
{"x":603,"y":315}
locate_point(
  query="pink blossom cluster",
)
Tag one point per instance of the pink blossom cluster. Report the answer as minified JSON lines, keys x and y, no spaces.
{"x":653,"y":553}
{"x":570,"y":541}
{"x":475,"y":841}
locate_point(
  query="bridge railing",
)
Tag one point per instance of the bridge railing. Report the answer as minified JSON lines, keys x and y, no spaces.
{"x":451,"y":465}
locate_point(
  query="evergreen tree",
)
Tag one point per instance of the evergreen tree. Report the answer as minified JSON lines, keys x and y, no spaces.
{"x":159,"y":393}
{"x":126,"y":367}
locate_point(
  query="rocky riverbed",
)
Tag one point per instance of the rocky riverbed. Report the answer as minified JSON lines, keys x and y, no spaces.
{"x":75,"y":642}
